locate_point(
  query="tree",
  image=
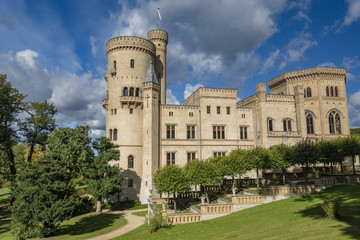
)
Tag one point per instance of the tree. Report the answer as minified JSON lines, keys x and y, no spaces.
{"x":102,"y":178}
{"x":11,"y":104}
{"x":44,"y":198}
{"x":329,"y":152}
{"x":350,"y":146}
{"x":171,"y":179}
{"x":305,"y":152}
{"x":258,"y":159}
{"x":38,"y":125}
{"x":281,"y":158}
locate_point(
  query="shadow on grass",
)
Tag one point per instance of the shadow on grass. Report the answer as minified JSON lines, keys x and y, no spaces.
{"x":5,"y":220}
{"x":349,"y":212}
{"x":88,"y":224}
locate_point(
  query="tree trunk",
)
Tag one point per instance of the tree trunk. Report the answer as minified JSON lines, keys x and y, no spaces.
{"x":342,"y":167}
{"x":353,"y":162}
{"x":306,"y":172}
{"x":175,"y":199}
{"x":31,"y":152}
{"x":332,"y":168}
{"x":98,"y":205}
{"x":257,"y":178}
{"x":168,"y":198}
{"x":284,"y":177}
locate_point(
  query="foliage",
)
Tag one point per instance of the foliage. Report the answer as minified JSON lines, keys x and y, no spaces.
{"x":170,"y":179}
{"x":329,"y":152}
{"x":102,"y":178}
{"x":281,"y":156}
{"x":355,"y":131}
{"x":232,"y":165}
{"x":350,"y":146}
{"x":37,"y":126}
{"x":331,"y":208}
{"x":158,"y":221}
{"x":203,"y":172}
{"x":44,"y":198}
{"x":305,"y":152}
{"x":259,"y":159}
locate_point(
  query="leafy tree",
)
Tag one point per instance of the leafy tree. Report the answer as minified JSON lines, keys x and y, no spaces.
{"x":171,"y":179}
{"x":281,"y":158}
{"x":259,"y":159}
{"x":71,"y":148}
{"x":38,"y":125}
{"x":329,"y":152}
{"x":350,"y":146}
{"x":38,"y":153}
{"x":305,"y":152}
{"x":44,"y":198}
{"x":102,"y":178}
{"x":11,"y":104}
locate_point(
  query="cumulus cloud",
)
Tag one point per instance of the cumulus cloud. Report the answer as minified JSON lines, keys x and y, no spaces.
{"x":327,"y":64}
{"x":270,"y":61}
{"x":189,"y":89}
{"x":351,"y":63}
{"x":353,"y":12}
{"x":94,"y":48}
{"x":170,"y":98}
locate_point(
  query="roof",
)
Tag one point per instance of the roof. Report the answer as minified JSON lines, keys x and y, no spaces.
{"x":150,"y":75}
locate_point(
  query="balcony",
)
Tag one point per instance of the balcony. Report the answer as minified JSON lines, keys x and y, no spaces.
{"x":284,"y":134}
{"x":131,"y":101}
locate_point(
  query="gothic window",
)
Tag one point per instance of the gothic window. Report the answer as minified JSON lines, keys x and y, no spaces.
{"x":287,"y":125}
{"x":170,"y":131}
{"x":309,"y":123}
{"x":115,"y":135}
{"x":137,"y":92}
{"x":190,"y":132}
{"x":327,"y":91}
{"x":308,"y":92}
{"x":331,"y":123}
{"x":337,"y":123}
{"x":131,"y":161}
{"x":334,"y":123}
{"x":131,"y":91}
{"x":336,"y":92}
{"x":125,"y":92}
{"x":191,"y":156}
{"x":110,"y":134}
{"x":170,"y":158}
{"x":270,"y":125}
{"x":132,"y":63}
{"x":332,"y":91}
{"x":218,"y":132}
{"x":243,"y":133}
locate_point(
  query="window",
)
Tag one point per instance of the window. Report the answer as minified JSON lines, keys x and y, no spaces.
{"x":131,"y":91}
{"x":132,"y":63}
{"x":309,"y":124}
{"x":191,"y":156}
{"x":112,"y":111}
{"x":308,"y":92}
{"x":171,"y":114}
{"x":131,"y":161}
{"x":208,"y":109}
{"x":242,"y":115}
{"x":115,"y":111}
{"x":327,"y":91}
{"x":332,"y":91}
{"x":190,"y":132}
{"x":114,"y":64}
{"x":130,"y":182}
{"x":191,"y":114}
{"x":227,"y":110}
{"x":304,"y":93}
{"x":336,"y":92}
{"x":218,"y":109}
{"x":243,"y":133}
{"x":110,"y":134}
{"x":137,"y":92}
{"x":270,"y":125}
{"x":170,"y":158}
{"x":218,"y":132}
{"x":131,"y":110}
{"x":170,"y":131}
{"x":115,"y":135}
{"x":287,"y":125}
{"x":125,"y":92}
{"x":218,"y":154}
{"x":334,"y":123}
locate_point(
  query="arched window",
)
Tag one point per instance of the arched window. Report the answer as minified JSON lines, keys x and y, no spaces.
{"x":308,"y":92}
{"x":137,"y":92}
{"x":332,"y":91}
{"x":131,"y":161}
{"x":331,"y":123}
{"x":115,"y":135}
{"x":337,"y":123}
{"x":270,"y":124}
{"x":126,"y":92}
{"x":110,"y":134}
{"x":132,"y":63}
{"x":336,"y":92}
{"x":309,"y":123}
{"x":304,"y":93}
{"x":334,"y":122}
{"x":287,"y":125}
{"x":114,"y":64}
{"x":131,"y":91}
{"x":327,"y":91}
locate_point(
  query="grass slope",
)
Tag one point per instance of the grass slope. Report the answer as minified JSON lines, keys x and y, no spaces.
{"x":5,"y":214}
{"x":295,"y":218}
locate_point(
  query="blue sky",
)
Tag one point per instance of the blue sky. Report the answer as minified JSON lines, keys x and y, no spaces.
{"x":55,"y":50}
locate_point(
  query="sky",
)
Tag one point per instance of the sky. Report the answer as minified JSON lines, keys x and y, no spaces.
{"x":54,"y":50}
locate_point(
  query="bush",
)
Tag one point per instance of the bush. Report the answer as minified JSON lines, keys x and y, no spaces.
{"x":158,"y":221}
{"x":331,"y":208}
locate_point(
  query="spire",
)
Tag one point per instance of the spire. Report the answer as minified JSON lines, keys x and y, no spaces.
{"x":150,"y":75}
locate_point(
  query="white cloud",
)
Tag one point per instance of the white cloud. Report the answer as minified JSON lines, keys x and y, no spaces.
{"x":170,"y":98}
{"x":354,"y":109}
{"x":327,"y":64}
{"x":270,"y":61}
{"x":189,"y":89}
{"x":94,"y":48}
{"x":353,"y":12}
{"x":26,"y":58}
{"x":351,"y":63}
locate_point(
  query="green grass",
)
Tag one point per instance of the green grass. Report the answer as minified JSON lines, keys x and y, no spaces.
{"x":129,"y":205}
{"x":5,"y":214}
{"x":295,"y":218}
{"x":141,"y":214}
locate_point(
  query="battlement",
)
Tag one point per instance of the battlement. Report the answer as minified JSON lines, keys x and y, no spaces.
{"x":210,"y":93}
{"x":130,"y":43}
{"x":308,"y":73}
{"x":158,"y":35}
{"x":173,"y":106}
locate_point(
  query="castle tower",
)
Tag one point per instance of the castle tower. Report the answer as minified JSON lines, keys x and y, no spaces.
{"x":160,"y":40}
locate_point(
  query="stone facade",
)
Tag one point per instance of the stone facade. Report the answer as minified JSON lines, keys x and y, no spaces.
{"x":309,"y":103}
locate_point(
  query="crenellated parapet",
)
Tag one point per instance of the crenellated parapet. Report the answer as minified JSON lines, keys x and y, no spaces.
{"x":158,"y":35}
{"x":130,"y":43}
{"x":171,"y":106}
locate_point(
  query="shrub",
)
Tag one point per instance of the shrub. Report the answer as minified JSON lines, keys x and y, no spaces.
{"x":158,"y":221}
{"x":331,"y":208}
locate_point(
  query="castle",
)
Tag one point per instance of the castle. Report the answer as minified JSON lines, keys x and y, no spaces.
{"x":309,"y":103}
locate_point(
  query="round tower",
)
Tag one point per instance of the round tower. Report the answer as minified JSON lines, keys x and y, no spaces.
{"x":128,"y":62}
{"x":160,"y":40}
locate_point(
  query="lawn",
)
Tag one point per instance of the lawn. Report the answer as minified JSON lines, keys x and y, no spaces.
{"x":5,"y":214}
{"x":141,"y":214}
{"x":295,"y":218}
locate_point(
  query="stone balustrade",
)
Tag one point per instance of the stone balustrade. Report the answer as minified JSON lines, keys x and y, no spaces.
{"x":288,"y":190}
{"x":184,"y":218}
{"x":325,"y":181}
{"x":216,"y":208}
{"x":247,"y":199}
{"x":353,"y":180}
